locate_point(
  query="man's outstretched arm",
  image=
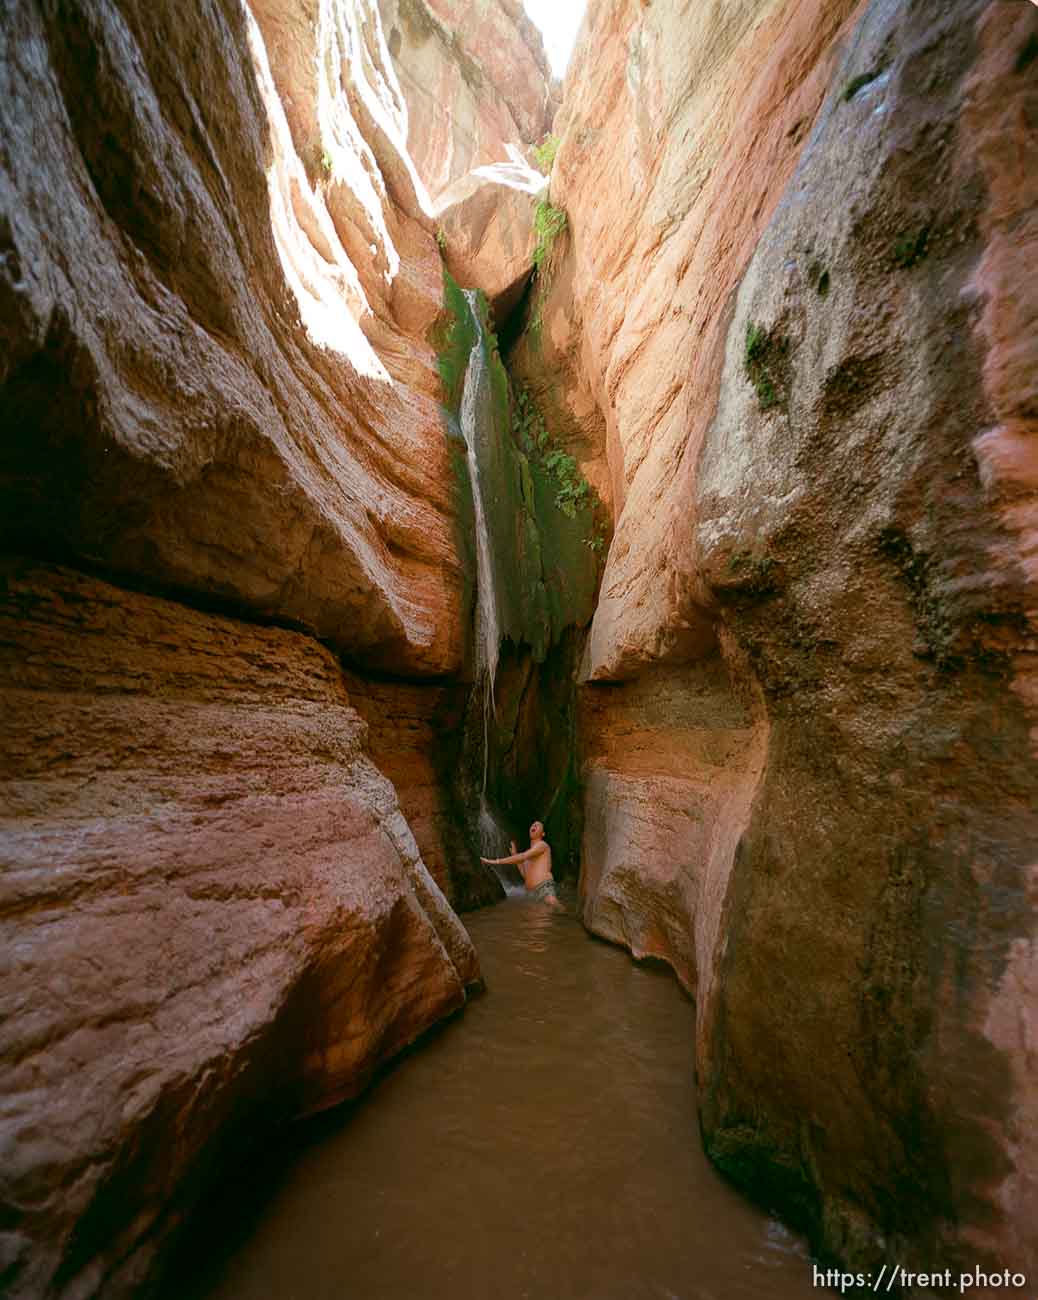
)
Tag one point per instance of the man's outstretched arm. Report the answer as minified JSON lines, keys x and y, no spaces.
{"x":515,"y":859}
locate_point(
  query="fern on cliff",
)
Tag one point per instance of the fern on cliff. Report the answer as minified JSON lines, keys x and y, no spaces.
{"x":544,"y":153}
{"x":549,"y":223}
{"x":572,"y":491}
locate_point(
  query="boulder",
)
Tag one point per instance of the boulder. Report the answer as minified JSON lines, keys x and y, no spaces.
{"x":215,"y":916}
{"x":485,"y":225}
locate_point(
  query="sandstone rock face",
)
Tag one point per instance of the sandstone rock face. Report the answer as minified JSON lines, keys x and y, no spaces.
{"x":486,"y":229}
{"x":218,"y":273}
{"x":502,"y":96}
{"x":215,"y":915}
{"x":893,"y":839}
{"x":671,"y":761}
{"x":794,"y":292}
{"x":475,"y":84}
{"x":414,"y":737}
{"x":219,"y":286}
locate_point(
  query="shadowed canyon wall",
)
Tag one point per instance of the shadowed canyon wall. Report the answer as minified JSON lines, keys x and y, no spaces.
{"x":225,"y":470}
{"x":788,"y":336}
{"x":791,"y":334}
{"x":216,"y":917}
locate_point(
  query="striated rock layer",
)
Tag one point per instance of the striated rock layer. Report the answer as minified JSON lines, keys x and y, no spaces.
{"x":220,"y":299}
{"x":793,"y":321}
{"x":474,"y":81}
{"x":415,"y":738}
{"x":203,"y":226}
{"x":215,"y":917}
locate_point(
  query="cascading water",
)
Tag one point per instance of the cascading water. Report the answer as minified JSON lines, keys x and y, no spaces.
{"x":475,"y":403}
{"x":488,"y":630}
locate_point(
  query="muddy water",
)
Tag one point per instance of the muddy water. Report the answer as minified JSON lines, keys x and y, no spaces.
{"x":544,"y":1144}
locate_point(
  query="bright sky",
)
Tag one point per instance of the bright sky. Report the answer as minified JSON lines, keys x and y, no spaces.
{"x":559,"y":21}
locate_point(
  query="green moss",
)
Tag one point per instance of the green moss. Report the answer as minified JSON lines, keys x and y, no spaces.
{"x":573,"y":493}
{"x":856,"y":84}
{"x":452,"y":339}
{"x":539,"y":509}
{"x":767,"y":365}
{"x":465,"y":518}
{"x":544,"y":153}
{"x":543,"y":538}
{"x":911,"y":247}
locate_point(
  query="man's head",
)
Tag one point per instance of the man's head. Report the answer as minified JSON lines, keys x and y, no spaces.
{"x":536,"y":832}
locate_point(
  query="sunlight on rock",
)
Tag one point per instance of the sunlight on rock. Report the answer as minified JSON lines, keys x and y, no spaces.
{"x":327,"y":290}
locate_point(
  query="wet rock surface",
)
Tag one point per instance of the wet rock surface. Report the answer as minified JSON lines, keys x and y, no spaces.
{"x":886,"y":868}
{"x":414,"y":737}
{"x":215,"y":915}
{"x":671,"y":762}
{"x":222,"y":296}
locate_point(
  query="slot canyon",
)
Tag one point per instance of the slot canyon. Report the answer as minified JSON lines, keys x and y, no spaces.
{"x":401,"y":444}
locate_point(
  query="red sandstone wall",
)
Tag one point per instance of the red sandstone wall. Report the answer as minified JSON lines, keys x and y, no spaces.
{"x":809,"y":714}
{"x":219,"y":286}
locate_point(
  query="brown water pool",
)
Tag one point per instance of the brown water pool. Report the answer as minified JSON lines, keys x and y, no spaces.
{"x":543,"y":1144}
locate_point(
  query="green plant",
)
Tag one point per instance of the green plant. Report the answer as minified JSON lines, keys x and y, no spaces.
{"x":326,"y":162}
{"x":452,"y":336}
{"x":596,"y":542}
{"x":766,"y":394}
{"x":766,"y":362}
{"x":544,"y":153}
{"x":911,"y":247}
{"x":756,"y":343}
{"x":572,"y":490}
{"x":441,"y":239}
{"x":549,"y":223}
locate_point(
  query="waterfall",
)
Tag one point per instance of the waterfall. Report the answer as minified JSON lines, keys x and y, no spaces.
{"x":474,"y":404}
{"x":493,"y":842}
{"x":477,"y":422}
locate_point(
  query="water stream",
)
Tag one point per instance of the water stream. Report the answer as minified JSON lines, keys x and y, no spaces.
{"x":543,"y":1144}
{"x":474,"y":404}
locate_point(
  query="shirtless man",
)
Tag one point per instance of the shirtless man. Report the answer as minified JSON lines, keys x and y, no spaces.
{"x":535,"y":865}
